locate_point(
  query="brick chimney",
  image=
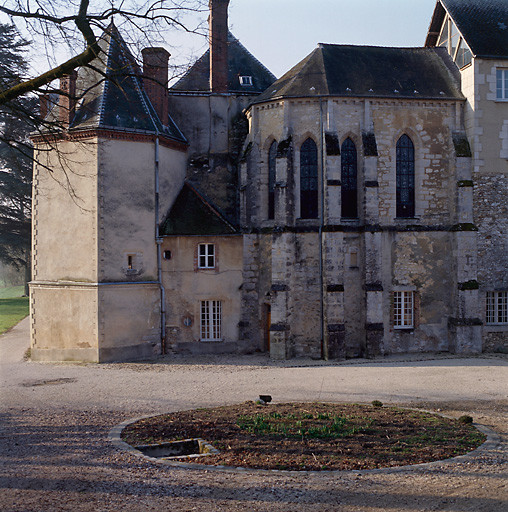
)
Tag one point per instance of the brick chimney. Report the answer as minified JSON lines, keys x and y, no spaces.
{"x":218,"y":22}
{"x":43,"y":105}
{"x":67,"y":100}
{"x":155,"y":79}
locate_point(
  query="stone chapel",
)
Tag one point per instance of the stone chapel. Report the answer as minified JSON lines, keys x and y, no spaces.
{"x":355,"y":207}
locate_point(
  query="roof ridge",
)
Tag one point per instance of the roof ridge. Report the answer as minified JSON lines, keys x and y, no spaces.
{"x":105,"y":82}
{"x":342,"y":45}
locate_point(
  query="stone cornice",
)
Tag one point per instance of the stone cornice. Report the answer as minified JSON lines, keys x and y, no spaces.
{"x":111,"y":134}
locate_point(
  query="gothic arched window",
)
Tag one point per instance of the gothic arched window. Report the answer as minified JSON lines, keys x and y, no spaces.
{"x":309,"y":180}
{"x":405,"y":180}
{"x":272,"y":155}
{"x":349,"y":171}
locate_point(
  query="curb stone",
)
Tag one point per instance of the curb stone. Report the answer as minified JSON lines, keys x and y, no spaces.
{"x":492,"y":442}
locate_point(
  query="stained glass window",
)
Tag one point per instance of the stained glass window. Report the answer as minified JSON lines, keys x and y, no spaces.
{"x":272,"y":155}
{"x":349,"y":171}
{"x":405,"y":179}
{"x":309,"y":180}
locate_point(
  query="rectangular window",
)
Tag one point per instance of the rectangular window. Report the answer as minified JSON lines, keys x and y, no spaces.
{"x":211,"y":316}
{"x":246,"y":80}
{"x":403,"y":310}
{"x":497,"y":308}
{"x":502,"y":84}
{"x":206,"y":256}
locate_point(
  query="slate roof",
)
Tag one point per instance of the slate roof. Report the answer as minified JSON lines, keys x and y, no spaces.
{"x":240,"y":63}
{"x":482,"y":23}
{"x":369,"y":71}
{"x":111,"y":93}
{"x":193,"y":214}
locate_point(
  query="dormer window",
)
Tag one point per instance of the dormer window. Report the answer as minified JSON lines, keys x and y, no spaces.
{"x":246,"y":81}
{"x":451,"y":39}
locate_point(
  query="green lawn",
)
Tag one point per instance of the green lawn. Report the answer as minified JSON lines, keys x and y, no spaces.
{"x":12,"y":310}
{"x":11,"y":291}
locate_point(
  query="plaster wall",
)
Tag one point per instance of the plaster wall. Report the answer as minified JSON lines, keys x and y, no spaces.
{"x":63,"y":297}
{"x":64,"y":322}
{"x":186,"y":286}
{"x":129,"y":321}
{"x":215,"y":127}
{"x":65,"y":213}
{"x":172,"y":168}
{"x":127,"y":213}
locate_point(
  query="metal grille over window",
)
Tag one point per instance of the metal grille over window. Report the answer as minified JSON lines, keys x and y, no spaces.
{"x":272,"y":162}
{"x":403,"y":310}
{"x":211,"y":316}
{"x":349,"y":195}
{"x":497,"y":308}
{"x":206,"y":256}
{"x":405,"y":177}
{"x":309,"y":180}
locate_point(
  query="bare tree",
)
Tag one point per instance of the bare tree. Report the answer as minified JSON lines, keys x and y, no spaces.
{"x":45,"y":18}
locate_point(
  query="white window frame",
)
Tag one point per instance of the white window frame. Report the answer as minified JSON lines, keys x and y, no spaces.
{"x":403,"y":310}
{"x":496,"y":308}
{"x":246,"y":80}
{"x":206,"y":256}
{"x":502,"y":75}
{"x":211,"y":320}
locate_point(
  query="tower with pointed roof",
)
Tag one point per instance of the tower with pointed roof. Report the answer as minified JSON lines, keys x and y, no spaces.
{"x":101,"y":186}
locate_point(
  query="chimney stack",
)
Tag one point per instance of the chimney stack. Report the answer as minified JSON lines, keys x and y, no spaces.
{"x":155,"y":79}
{"x":218,"y":22}
{"x":67,"y":100}
{"x":43,"y":105}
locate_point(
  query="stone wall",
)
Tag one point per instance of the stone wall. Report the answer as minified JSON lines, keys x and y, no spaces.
{"x":364,"y":260}
{"x":186,"y":286}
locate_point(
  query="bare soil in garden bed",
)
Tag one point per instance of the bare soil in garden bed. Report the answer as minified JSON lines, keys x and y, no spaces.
{"x":312,"y":436}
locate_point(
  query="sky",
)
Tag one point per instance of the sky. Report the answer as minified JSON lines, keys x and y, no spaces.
{"x":280,"y":33}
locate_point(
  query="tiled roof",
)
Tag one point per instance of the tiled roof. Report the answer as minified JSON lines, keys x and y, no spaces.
{"x":192,"y":214}
{"x":240,"y":63}
{"x":369,"y":71}
{"x":483,"y":23}
{"x":112,"y":95}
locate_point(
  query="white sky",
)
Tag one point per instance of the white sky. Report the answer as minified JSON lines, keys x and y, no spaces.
{"x":280,"y":33}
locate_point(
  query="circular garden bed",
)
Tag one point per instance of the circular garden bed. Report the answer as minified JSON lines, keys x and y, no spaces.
{"x":312,"y":436}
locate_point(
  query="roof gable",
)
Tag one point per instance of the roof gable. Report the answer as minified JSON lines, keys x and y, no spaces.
{"x":192,"y":214}
{"x":369,"y":71}
{"x":240,"y":63}
{"x":482,"y":23}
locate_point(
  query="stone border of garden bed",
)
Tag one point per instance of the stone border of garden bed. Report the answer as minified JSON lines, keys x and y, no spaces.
{"x":493,"y":441}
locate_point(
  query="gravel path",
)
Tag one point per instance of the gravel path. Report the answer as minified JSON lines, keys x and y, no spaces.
{"x":55,"y":420}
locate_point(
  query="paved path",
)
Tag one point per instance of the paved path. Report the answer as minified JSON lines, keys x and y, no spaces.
{"x":55,"y":418}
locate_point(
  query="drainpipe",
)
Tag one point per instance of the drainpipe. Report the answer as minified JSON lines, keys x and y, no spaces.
{"x":158,"y":241}
{"x":324,"y":339}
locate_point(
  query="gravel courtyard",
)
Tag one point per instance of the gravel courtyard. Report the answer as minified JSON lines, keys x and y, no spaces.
{"x":55,"y":418}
